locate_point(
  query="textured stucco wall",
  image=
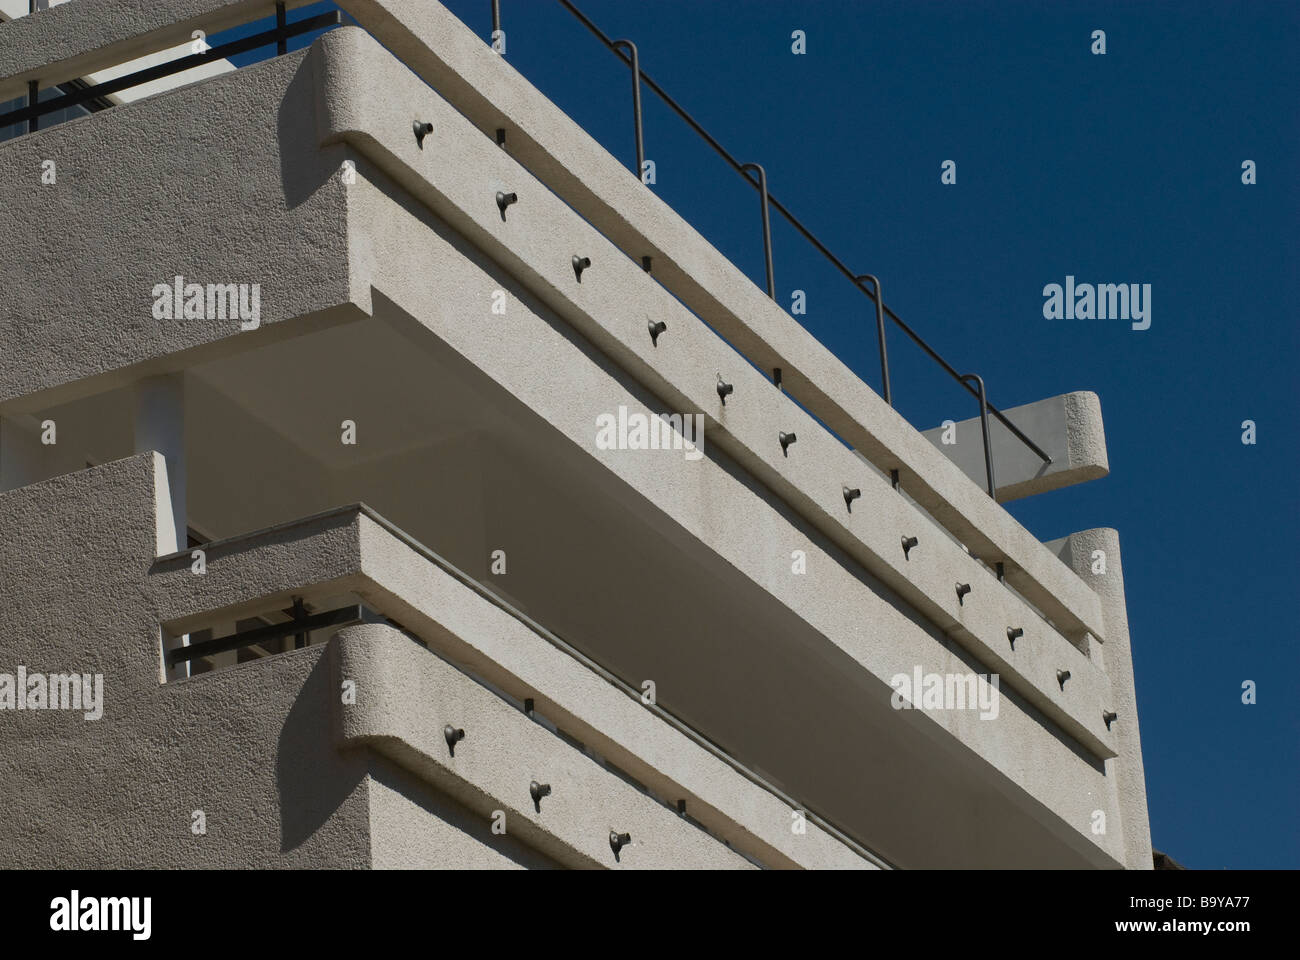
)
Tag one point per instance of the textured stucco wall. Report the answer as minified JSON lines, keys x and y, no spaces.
{"x":507,"y":652}
{"x":247,"y":746}
{"x":415,"y":826}
{"x":220,"y":182}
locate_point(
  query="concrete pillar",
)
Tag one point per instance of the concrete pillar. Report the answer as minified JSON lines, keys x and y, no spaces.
{"x":1084,"y":553}
{"x":160,"y":426}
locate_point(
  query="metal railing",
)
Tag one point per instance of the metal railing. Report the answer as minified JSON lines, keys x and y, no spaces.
{"x":299,"y":625}
{"x":767,"y":201}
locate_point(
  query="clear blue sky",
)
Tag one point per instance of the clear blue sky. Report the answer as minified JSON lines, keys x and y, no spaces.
{"x":1117,"y":168}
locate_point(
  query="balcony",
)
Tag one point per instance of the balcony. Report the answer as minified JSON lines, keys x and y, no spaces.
{"x":878,"y":765}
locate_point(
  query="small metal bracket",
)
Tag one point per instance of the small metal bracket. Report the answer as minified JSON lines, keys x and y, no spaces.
{"x":453,"y":736}
{"x":617,"y":841}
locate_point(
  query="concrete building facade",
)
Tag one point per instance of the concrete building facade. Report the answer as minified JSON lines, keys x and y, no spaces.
{"x":333,"y":464}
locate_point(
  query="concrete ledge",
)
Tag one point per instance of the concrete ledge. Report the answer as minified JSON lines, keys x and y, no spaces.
{"x":248,"y":575}
{"x":405,"y":696}
{"x":491,"y":94}
{"x":1068,"y":427}
{"x":249,"y":746}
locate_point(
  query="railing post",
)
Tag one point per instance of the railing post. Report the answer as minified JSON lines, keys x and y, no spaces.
{"x":636,"y":106}
{"x":767,"y":225}
{"x":299,"y":614}
{"x":880,"y":334}
{"x":33,"y":94}
{"x":769,"y":201}
{"x":281,"y":21}
{"x":984,"y":425}
{"x":496,"y":19}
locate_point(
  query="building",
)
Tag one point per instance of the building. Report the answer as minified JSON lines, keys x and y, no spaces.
{"x":325,"y":395}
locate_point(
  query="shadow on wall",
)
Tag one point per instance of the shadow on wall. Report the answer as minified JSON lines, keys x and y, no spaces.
{"x":312,"y":778}
{"x":304,"y":168}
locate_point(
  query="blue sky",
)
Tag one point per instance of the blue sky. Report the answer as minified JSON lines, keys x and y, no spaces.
{"x":1117,"y":168}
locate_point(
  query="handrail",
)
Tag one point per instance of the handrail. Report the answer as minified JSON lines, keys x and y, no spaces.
{"x":636,"y":105}
{"x":768,"y":200}
{"x":984,"y":426}
{"x":299,"y":625}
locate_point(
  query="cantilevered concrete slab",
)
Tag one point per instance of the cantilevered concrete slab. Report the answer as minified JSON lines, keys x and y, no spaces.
{"x":1067,"y":427}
